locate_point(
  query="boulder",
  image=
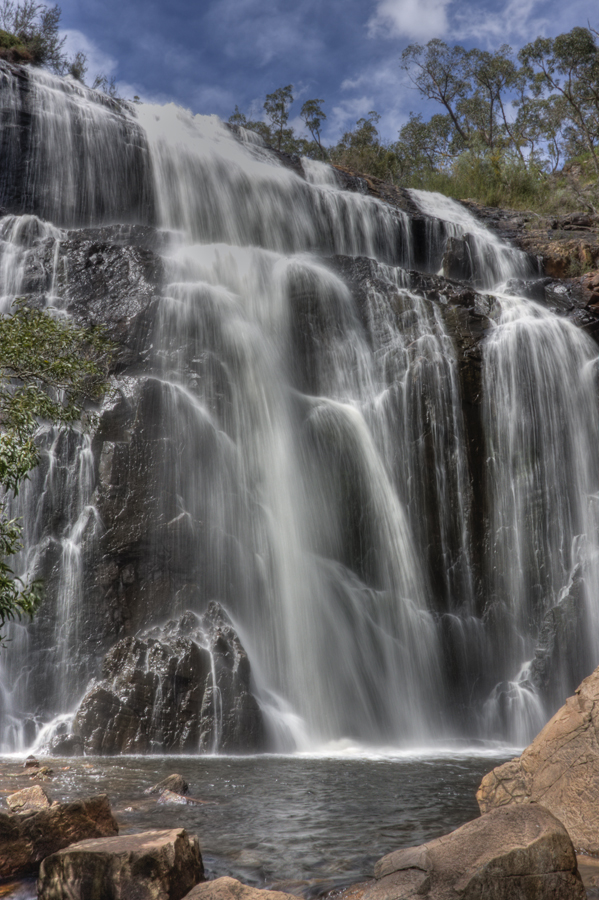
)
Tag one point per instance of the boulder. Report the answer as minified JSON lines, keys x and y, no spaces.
{"x":231,"y":889}
{"x":172,"y":797}
{"x":66,"y":745}
{"x":182,"y":687}
{"x":27,"y":838}
{"x":44,"y":773}
{"x":35,"y":798}
{"x":507,"y":854}
{"x":560,"y":769}
{"x":174,"y":783}
{"x":153,"y":865}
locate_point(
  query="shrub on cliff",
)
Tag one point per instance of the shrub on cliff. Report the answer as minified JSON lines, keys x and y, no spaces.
{"x":13,"y":49}
{"x":49,"y":370}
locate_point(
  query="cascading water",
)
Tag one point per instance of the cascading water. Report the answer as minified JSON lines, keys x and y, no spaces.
{"x":540,"y":419}
{"x":310,"y":457}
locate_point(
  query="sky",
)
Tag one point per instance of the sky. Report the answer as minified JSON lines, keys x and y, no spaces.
{"x":209,"y":55}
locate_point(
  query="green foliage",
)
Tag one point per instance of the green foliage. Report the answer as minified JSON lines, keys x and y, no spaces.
{"x":29,"y":33}
{"x":35,"y":25}
{"x":77,"y":67}
{"x":49,"y":370}
{"x":108,"y":86}
{"x":275,"y":132}
{"x":9,"y":40}
{"x":276,"y":107}
{"x":363,"y":150}
{"x":18,"y":599}
{"x":563,"y":74}
{"x":313,"y":117}
{"x":507,"y":124}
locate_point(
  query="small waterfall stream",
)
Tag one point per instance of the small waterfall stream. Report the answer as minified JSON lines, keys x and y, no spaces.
{"x":311,"y":451}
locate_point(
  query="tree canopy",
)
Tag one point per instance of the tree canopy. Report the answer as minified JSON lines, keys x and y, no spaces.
{"x":506,"y":123}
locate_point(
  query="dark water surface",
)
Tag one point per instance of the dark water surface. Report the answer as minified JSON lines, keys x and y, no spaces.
{"x":278,"y":819}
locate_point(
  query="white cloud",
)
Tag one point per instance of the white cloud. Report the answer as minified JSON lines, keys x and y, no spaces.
{"x":207,"y":99}
{"x":345,"y":114}
{"x":382,"y":76}
{"x":518,"y":19}
{"x":418,"y":20}
{"x":98,"y":62}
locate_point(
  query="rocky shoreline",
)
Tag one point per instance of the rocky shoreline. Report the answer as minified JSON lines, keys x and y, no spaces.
{"x":538,"y":813}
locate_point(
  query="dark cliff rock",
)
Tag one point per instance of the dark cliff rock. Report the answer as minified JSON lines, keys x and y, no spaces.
{"x":566,"y":249}
{"x":352,"y":180}
{"x":184,"y":687}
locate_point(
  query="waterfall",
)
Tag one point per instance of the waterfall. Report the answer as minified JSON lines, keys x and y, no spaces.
{"x":308,"y":458}
{"x":540,"y":419}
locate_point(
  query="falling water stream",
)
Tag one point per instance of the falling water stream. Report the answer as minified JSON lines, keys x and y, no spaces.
{"x":324,"y":475}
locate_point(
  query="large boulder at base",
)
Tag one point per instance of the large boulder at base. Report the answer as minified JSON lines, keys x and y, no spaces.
{"x":560,"y":769}
{"x":182,"y":687}
{"x":154,"y":865}
{"x":509,"y":854}
{"x":27,"y":838}
{"x":231,"y":889}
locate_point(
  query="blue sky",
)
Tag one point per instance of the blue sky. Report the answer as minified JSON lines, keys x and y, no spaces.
{"x":209,"y":55}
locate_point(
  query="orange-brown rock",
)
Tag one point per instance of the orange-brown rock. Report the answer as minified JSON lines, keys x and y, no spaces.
{"x":153,"y":865}
{"x":508,"y":854}
{"x":560,"y":769}
{"x":231,"y":889}
{"x":27,"y":838}
{"x":35,"y":798}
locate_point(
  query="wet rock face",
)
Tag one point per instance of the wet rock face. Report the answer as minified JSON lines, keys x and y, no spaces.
{"x":507,"y":854}
{"x":184,"y":687}
{"x":112,"y":277}
{"x":467,"y":316}
{"x":565,"y":250}
{"x":457,"y":259}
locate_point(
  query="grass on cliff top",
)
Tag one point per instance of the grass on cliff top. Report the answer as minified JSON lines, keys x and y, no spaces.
{"x":512,"y":185}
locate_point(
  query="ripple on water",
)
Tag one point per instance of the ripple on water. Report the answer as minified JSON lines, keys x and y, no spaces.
{"x":275,"y":818}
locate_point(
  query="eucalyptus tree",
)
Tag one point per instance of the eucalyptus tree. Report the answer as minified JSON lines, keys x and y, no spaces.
{"x":313,"y":116}
{"x":276,"y":107}
{"x":564,"y":72}
{"x":440,"y":73}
